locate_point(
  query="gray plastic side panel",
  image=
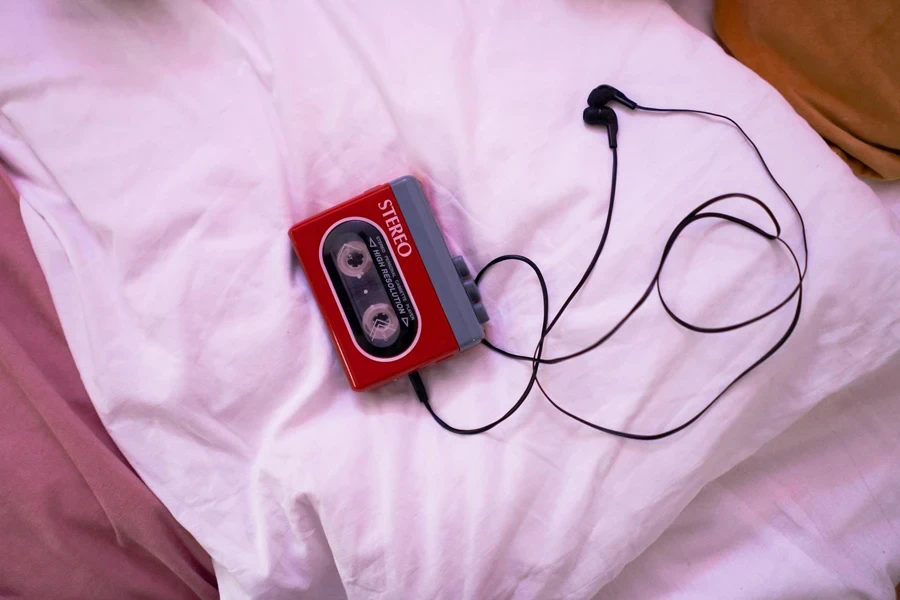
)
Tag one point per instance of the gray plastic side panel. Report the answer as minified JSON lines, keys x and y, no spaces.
{"x":434,"y":252}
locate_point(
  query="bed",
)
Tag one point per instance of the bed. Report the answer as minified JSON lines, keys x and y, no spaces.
{"x":187,"y":137}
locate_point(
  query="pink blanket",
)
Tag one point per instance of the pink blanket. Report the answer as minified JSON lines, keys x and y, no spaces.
{"x":77,"y":521}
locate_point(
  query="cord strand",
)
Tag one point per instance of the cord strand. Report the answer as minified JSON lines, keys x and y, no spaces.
{"x":694,"y":216}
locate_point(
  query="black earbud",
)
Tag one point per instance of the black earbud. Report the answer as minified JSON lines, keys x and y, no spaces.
{"x":604,"y":94}
{"x":603,"y":115}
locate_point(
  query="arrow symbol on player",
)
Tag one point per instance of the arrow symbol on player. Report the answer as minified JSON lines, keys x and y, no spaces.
{"x":371,"y":242}
{"x":405,"y":321}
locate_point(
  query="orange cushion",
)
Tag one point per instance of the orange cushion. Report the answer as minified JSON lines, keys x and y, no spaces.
{"x":836,"y":62}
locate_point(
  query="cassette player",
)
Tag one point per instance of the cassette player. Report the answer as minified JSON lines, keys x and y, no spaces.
{"x":391,"y":294}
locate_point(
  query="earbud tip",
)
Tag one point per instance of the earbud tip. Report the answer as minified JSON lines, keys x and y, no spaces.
{"x":592,"y":116}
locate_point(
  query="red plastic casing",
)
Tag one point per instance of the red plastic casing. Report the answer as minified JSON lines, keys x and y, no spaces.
{"x":435,"y":340}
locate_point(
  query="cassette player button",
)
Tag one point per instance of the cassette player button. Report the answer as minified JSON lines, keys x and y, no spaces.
{"x":472,"y":291}
{"x":481,"y":313}
{"x":461,"y":268}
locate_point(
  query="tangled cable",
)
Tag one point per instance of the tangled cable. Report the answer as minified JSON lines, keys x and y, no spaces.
{"x":599,"y":113}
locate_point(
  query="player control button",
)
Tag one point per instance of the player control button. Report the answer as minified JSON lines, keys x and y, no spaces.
{"x":472,"y":291}
{"x":481,"y":313}
{"x":461,"y":268}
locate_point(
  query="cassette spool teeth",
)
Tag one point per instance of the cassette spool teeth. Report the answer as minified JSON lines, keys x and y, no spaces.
{"x":380,"y":322}
{"x":353,"y":259}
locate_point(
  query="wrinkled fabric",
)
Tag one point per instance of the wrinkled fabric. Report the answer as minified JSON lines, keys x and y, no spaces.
{"x":187,"y":138}
{"x":77,"y":521}
{"x":815,"y":513}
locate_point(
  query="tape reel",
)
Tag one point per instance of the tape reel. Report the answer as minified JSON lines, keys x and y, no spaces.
{"x":380,"y":323}
{"x":353,"y":259}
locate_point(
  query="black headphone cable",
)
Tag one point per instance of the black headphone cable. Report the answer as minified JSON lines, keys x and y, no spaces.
{"x":537,"y":359}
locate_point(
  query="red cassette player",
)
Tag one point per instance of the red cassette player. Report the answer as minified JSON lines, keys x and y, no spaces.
{"x":391,"y":294}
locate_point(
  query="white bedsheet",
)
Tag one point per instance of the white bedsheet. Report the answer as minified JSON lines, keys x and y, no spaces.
{"x":162,"y":150}
{"x":815,"y":513}
{"x":821,"y":498}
